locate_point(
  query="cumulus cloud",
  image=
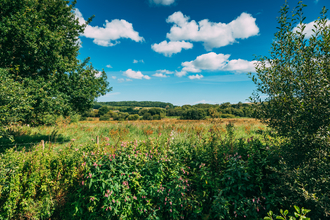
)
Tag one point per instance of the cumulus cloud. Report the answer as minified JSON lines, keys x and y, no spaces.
{"x":128,"y":80}
{"x":121,"y":80}
{"x":309,"y":28}
{"x":164,"y":71}
{"x":109,"y":35}
{"x":162,"y":2}
{"x":109,"y":66}
{"x":215,"y":62}
{"x":196,"y":76}
{"x":213,"y":35}
{"x":135,"y":74}
{"x":160,"y":75}
{"x":113,"y":77}
{"x":172,"y":47}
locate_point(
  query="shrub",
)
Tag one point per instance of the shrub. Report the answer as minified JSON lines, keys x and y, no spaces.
{"x":227,"y":116}
{"x":105,"y":118}
{"x":133,"y":117}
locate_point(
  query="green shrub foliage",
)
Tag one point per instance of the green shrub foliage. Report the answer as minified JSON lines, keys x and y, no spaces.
{"x":295,"y":80}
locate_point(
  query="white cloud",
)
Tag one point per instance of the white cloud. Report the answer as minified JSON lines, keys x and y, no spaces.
{"x":309,"y":28}
{"x":109,"y":35}
{"x":99,"y":74}
{"x":128,"y":80}
{"x":109,"y":66}
{"x":160,"y":75}
{"x":181,"y":73}
{"x":164,"y":71}
{"x":169,"y":48}
{"x":138,"y":61}
{"x":213,"y":35}
{"x":121,"y":80}
{"x":196,"y":76}
{"x":135,"y":74}
{"x":216,"y":62}
{"x":162,"y":2}
{"x":113,"y":77}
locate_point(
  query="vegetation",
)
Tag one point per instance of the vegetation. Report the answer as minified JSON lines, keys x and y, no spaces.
{"x":295,"y":80}
{"x":170,"y":169}
{"x":189,"y":169}
{"x":38,"y":54}
{"x":186,"y":112}
{"x":136,"y":104}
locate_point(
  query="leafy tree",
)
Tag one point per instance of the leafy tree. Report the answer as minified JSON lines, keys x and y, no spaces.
{"x":295,"y":79}
{"x":103,"y":110}
{"x":39,"y":47}
{"x":15,"y":103}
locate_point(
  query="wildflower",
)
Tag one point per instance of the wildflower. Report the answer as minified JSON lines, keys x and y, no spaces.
{"x":170,"y":210}
{"x":73,"y":139}
{"x":83,"y":183}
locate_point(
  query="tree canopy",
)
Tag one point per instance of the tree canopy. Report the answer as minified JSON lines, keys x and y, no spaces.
{"x":295,"y":80}
{"x":39,"y":45}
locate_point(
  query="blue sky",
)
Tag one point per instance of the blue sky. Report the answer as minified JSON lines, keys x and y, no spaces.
{"x":181,"y":51}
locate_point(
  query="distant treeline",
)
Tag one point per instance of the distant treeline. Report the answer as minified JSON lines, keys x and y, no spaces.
{"x":189,"y":112}
{"x":135,"y":104}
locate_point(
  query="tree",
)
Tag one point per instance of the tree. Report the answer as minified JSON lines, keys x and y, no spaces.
{"x":39,"y":47}
{"x":295,"y":80}
{"x":103,"y":110}
{"x":14,"y":102}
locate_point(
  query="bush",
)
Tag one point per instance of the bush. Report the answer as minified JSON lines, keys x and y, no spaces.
{"x":156,"y":117}
{"x":227,"y":116}
{"x":105,"y":118}
{"x":147,"y":116}
{"x":133,"y":117}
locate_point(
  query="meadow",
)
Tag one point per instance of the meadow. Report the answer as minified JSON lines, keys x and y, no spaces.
{"x":166,"y":169}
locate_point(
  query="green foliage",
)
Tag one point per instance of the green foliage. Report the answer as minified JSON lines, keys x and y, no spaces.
{"x":15,"y":103}
{"x":103,"y":110}
{"x":38,"y":46}
{"x":139,"y":104}
{"x":133,"y":117}
{"x":194,"y":114}
{"x":227,"y":116}
{"x":147,"y":116}
{"x":105,"y":118}
{"x":295,"y":80}
{"x":35,"y":184}
{"x":300,"y":214}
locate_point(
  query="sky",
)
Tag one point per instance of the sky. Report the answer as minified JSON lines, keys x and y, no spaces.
{"x":181,"y":51}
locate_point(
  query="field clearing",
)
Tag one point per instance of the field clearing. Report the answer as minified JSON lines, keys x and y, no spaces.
{"x":117,"y":131}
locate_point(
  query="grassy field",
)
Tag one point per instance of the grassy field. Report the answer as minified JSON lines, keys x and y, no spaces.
{"x":86,"y":131}
{"x":168,"y":169}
